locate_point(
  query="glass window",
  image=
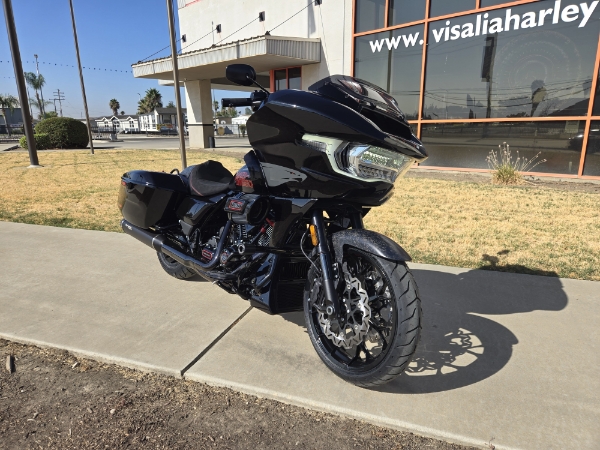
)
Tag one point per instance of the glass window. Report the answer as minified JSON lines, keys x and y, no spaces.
{"x":295,"y":78}
{"x":370,"y":15}
{"x":392,"y":60}
{"x":280,"y":79}
{"x":596,"y":109}
{"x":511,"y":63}
{"x":406,"y":11}
{"x":467,"y":145}
{"x":485,"y":3}
{"x":592,"y":158}
{"x":443,"y":7}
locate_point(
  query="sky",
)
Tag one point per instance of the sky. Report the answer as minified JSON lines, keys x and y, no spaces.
{"x":111,"y":36}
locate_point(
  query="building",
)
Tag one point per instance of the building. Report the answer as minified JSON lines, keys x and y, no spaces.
{"x":122,"y":123}
{"x":14,"y":119}
{"x":469,"y":74}
{"x":240,"y":120}
{"x":161,"y":119}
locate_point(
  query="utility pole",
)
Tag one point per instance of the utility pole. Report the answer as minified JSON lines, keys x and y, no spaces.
{"x":60,"y":97}
{"x":87,"y":114}
{"x":180,"y":122}
{"x":21,"y":86}
{"x":37,"y":69}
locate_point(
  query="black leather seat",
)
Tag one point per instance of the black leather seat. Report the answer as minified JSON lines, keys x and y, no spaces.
{"x":208,"y":178}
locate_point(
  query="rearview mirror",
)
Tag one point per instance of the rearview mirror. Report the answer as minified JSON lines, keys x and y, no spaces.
{"x":241,"y":74}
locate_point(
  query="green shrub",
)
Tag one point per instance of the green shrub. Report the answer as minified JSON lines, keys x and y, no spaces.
{"x":64,"y":132}
{"x":42,"y":141}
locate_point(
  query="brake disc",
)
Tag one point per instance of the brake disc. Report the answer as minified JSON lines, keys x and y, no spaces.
{"x":356,"y":311}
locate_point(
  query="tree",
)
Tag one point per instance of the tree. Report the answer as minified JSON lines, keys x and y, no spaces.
{"x":216,"y":105}
{"x":170,"y":104}
{"x":114,"y":105}
{"x":151,"y":101}
{"x":37,"y":82}
{"x":232,"y":112}
{"x":8,"y":101}
{"x":50,"y":114}
{"x":122,"y":113}
{"x":248,"y":111}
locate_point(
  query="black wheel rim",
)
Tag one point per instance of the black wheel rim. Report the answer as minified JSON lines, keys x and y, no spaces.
{"x":382,"y":324}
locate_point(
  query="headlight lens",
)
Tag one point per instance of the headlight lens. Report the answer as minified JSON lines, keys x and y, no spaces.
{"x":369,"y":162}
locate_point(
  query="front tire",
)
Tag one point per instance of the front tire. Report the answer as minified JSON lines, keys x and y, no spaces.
{"x":174,"y":268}
{"x":385,"y":295}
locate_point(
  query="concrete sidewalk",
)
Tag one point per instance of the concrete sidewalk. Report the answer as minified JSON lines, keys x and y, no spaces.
{"x":503,"y":356}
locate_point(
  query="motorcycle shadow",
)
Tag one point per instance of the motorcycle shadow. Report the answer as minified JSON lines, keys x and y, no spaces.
{"x":458,"y":347}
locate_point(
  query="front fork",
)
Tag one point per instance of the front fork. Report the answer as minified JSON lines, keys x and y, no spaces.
{"x":327,"y":258}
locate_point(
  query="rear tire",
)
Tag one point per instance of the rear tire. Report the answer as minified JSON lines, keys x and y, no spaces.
{"x":394,"y":330}
{"x":174,"y":268}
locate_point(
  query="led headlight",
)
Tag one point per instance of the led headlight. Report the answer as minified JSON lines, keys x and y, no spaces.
{"x":362,"y":161}
{"x":369,"y":162}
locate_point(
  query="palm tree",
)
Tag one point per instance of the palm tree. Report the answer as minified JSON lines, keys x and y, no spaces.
{"x":114,"y":105}
{"x":10,"y":102}
{"x":37,"y":82}
{"x":151,"y":101}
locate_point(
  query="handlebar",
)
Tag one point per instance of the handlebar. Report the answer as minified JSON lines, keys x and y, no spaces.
{"x":236,"y":102}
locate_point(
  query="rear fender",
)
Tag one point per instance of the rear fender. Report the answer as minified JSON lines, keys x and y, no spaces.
{"x":370,"y":242}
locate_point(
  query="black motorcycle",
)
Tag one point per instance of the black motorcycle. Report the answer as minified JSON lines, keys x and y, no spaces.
{"x":286,"y":232}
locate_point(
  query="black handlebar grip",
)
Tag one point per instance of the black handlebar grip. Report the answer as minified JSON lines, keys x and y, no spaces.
{"x":236,"y":102}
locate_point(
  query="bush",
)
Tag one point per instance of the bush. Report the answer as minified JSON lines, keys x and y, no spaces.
{"x":64,"y":132}
{"x":505,"y":170}
{"x":42,"y":141}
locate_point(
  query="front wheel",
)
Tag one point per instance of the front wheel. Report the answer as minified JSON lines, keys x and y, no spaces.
{"x":380,"y":322}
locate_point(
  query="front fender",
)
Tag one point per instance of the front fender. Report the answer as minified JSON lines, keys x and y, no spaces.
{"x":370,"y":242}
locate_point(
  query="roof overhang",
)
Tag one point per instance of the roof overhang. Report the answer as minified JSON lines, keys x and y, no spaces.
{"x":264,"y":53}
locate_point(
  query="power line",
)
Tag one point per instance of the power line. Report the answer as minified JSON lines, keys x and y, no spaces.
{"x":316,"y":2}
{"x":100,"y":69}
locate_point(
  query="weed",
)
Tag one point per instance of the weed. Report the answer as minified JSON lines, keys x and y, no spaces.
{"x":505,"y":169}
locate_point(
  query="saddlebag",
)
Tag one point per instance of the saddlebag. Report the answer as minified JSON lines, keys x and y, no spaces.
{"x":147,"y":199}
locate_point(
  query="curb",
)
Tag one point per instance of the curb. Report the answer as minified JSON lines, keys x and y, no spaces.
{"x":343,"y":412}
{"x":10,"y":148}
{"x":99,"y":357}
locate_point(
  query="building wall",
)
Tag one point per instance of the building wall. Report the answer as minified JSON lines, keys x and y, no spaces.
{"x":331,"y":22}
{"x":472,"y":74}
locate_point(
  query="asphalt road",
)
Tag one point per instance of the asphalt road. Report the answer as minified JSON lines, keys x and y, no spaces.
{"x":142,"y":142}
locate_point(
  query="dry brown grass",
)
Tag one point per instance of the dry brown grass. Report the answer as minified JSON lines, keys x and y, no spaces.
{"x":516,"y":229}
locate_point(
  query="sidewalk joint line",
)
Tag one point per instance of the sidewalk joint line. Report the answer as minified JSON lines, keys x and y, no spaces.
{"x":213,"y":343}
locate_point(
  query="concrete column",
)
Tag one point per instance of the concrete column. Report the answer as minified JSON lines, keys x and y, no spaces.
{"x":199,"y":112}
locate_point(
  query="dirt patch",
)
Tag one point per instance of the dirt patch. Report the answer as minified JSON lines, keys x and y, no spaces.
{"x":484,"y":178}
{"x":56,"y":400}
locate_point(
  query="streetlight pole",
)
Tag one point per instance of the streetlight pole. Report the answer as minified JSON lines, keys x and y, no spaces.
{"x":180,"y":122}
{"x":21,"y":86}
{"x":37,"y":69}
{"x":87,"y":114}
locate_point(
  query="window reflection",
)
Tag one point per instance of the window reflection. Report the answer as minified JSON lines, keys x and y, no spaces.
{"x":592,"y":158}
{"x":280,"y":80}
{"x":443,"y":7}
{"x":519,"y":68}
{"x":294,"y":76}
{"x":392,"y":61}
{"x":370,"y":15}
{"x":467,"y":145}
{"x":406,"y":11}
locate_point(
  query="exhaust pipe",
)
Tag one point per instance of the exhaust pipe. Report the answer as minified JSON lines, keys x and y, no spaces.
{"x":159,"y":243}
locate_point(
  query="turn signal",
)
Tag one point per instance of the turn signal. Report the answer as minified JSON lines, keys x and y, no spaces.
{"x":313,"y":235}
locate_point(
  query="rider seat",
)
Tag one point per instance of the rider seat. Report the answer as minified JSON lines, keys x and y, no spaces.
{"x":208,"y":178}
